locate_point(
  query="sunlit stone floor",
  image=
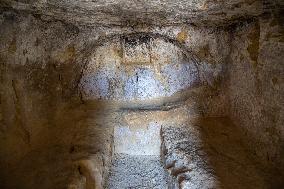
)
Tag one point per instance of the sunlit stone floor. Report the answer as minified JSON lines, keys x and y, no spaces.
{"x":137,"y":172}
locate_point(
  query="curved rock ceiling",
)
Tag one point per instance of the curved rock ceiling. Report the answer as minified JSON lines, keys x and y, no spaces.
{"x":137,"y":68}
{"x":133,"y":12}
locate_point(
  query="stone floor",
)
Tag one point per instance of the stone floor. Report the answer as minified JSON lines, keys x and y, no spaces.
{"x":202,"y":154}
{"x":137,"y":172}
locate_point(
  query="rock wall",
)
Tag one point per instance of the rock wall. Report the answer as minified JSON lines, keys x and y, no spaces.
{"x":52,"y":133}
{"x":72,"y":95}
{"x":48,"y":137}
{"x":255,"y":89}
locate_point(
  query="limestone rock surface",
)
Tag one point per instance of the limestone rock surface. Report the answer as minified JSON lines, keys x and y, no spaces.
{"x":133,"y":12}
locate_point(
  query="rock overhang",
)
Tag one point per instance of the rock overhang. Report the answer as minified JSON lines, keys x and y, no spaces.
{"x":129,"y":12}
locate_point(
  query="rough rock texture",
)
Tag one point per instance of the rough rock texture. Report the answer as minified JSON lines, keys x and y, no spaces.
{"x":138,"y":68}
{"x":137,"y":172}
{"x":185,"y":159}
{"x":59,"y":154}
{"x":256,"y":88}
{"x":137,"y":139}
{"x":208,"y":153}
{"x":83,"y":81}
{"x":43,"y":111}
{"x":122,"y":12}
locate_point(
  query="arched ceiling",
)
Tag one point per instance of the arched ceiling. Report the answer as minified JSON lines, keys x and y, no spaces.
{"x":137,"y":67}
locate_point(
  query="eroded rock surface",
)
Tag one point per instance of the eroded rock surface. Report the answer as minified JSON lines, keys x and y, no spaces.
{"x":140,"y":67}
{"x":89,"y":90}
{"x":209,"y":154}
{"x":110,"y":12}
{"x":137,"y":171}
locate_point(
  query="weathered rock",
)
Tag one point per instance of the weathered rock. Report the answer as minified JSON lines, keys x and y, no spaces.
{"x":82,"y":82}
{"x":128,"y":12}
{"x":209,"y":154}
{"x":137,"y":171}
{"x":256,"y":90}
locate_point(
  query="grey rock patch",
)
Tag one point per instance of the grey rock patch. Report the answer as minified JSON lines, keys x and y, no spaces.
{"x":137,"y":172}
